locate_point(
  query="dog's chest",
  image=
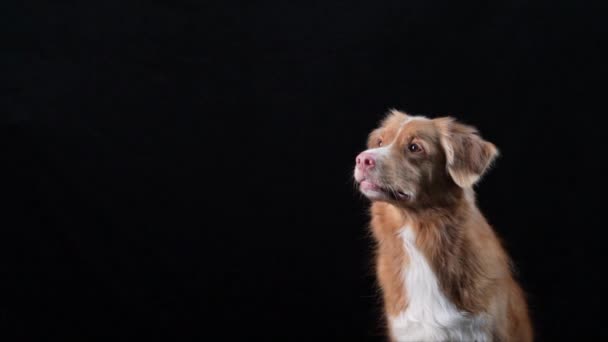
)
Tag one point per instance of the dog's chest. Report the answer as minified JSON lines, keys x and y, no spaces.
{"x":430,"y":315}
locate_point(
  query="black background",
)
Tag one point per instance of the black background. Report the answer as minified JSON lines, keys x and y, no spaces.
{"x":184,"y":169}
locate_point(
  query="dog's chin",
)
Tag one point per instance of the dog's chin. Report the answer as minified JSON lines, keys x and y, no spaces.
{"x":375,"y":195}
{"x":375,"y":192}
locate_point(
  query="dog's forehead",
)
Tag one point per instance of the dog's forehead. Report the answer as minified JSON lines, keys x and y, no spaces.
{"x":400,"y":126}
{"x":396,"y":120}
{"x":414,"y":126}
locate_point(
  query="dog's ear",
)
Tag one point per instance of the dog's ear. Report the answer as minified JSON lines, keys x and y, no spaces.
{"x":468,"y":156}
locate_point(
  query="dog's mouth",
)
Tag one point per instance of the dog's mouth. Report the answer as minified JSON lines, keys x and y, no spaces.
{"x":375,"y":191}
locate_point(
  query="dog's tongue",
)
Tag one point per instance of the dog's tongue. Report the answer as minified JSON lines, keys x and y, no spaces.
{"x":367,"y":185}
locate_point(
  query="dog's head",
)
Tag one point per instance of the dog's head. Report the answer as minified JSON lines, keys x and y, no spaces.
{"x":415,"y":161}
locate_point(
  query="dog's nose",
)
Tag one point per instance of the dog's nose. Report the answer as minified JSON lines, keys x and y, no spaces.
{"x":366,"y":161}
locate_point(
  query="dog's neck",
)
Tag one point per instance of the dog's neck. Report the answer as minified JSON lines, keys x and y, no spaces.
{"x":454,"y":207}
{"x":442,"y":234}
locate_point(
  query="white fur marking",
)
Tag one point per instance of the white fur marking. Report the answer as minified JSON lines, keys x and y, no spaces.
{"x":384,"y":151}
{"x":412,"y":118}
{"x":408,"y":119}
{"x":429,"y":315}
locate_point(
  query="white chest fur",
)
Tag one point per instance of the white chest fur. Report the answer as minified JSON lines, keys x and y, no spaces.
{"x":429,"y":315}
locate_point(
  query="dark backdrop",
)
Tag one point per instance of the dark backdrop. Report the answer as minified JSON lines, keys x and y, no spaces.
{"x":183,"y":169}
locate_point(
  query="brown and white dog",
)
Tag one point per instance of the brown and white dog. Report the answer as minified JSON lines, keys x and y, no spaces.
{"x":443,"y":272}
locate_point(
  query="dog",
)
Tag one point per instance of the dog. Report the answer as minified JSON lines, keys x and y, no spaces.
{"x":441,"y":269}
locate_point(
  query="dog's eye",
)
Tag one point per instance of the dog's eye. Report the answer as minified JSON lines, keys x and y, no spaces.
{"x":379,"y":142}
{"x":414,"y":147}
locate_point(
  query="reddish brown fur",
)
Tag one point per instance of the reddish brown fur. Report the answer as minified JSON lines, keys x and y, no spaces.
{"x":463,"y":250}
